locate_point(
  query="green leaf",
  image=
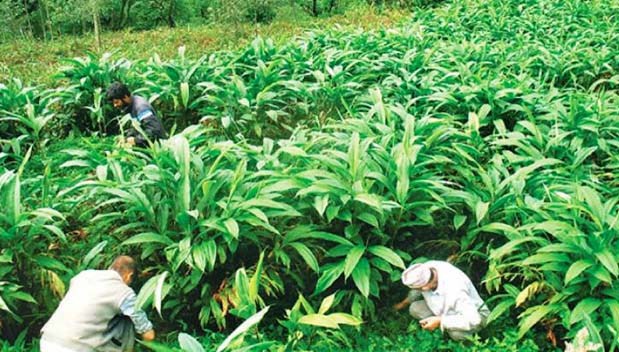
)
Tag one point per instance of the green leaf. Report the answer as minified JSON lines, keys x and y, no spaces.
{"x":543,"y":258}
{"x":318,"y":320}
{"x":306,"y":254}
{"x":613,"y":306}
{"x":189,"y":344}
{"x":198,"y":253}
{"x":352,"y":258}
{"x":93,"y":253}
{"x":346,"y":319}
{"x":146,"y":292}
{"x":584,"y":308}
{"x":509,"y":247}
{"x":608,"y":260}
{"x":459,"y":220}
{"x":328,"y":277}
{"x":576,"y":269}
{"x":370,"y":199}
{"x":211,"y":253}
{"x":254,"y":282}
{"x":158,"y":293}
{"x":481,"y":208}
{"x":361,"y":277}
{"x":532,"y":316}
{"x":147,"y":237}
{"x":500,"y":309}
{"x":233,"y":227}
{"x":595,"y":204}
{"x":387,"y":254}
{"x":326,"y":304}
{"x":50,"y":263}
{"x":320,"y":203}
{"x":243,"y":328}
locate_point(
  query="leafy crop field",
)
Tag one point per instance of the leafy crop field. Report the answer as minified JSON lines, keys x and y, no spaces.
{"x":301,"y":178}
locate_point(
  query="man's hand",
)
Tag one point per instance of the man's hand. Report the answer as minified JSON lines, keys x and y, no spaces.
{"x":131,"y":141}
{"x":430,"y":323}
{"x":401,"y":305}
{"x":149,"y":335}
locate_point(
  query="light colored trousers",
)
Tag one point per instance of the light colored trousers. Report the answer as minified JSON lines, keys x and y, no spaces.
{"x":420,"y":310}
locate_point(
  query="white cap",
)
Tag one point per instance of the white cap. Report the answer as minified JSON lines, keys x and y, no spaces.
{"x":416,"y":276}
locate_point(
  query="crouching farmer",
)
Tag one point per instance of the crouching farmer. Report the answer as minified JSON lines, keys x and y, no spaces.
{"x":443,"y":296}
{"x":141,"y":112}
{"x":98,"y":313}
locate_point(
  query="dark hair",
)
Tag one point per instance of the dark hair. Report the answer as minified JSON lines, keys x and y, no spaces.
{"x":123,"y":264}
{"x":117,"y":90}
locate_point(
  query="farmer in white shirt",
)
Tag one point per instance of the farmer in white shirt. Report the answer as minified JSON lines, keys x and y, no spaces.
{"x":98,"y":313}
{"x":443,"y":296}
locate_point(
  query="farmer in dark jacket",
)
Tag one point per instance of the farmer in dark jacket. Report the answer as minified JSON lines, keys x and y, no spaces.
{"x":141,"y":111}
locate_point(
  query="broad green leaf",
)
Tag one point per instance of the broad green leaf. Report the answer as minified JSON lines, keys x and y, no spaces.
{"x":595,"y":204}
{"x":93,"y":253}
{"x":328,"y":277}
{"x":459,"y":220}
{"x":320,"y":203}
{"x":608,"y":260}
{"x":543,"y":258}
{"x":241,"y":283}
{"x":23,"y":296}
{"x":306,"y":254}
{"x":50,"y":263}
{"x":584,"y":308}
{"x":184,"y":93}
{"x":345,"y":319}
{"x":306,"y":232}
{"x":198,"y":253}
{"x":387,"y":254}
{"x":499,"y":310}
{"x":189,"y":344}
{"x":481,"y":208}
{"x":158,"y":293}
{"x":326,"y":304}
{"x":147,"y":237}
{"x":361,"y":277}
{"x":528,"y":292}
{"x":211,"y":253}
{"x":613,"y":306}
{"x":352,"y":258}
{"x":509,"y":247}
{"x":232,"y":226}
{"x":532,"y":315}
{"x":318,"y":320}
{"x":254,"y":282}
{"x":370,"y":199}
{"x":243,"y":328}
{"x":146,"y":292}
{"x":576,"y":269}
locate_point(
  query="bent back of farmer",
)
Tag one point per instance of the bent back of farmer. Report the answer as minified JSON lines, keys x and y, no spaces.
{"x":141,"y":111}
{"x":443,"y":296}
{"x":98,"y":313}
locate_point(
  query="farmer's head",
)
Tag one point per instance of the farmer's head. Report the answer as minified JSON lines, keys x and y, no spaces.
{"x":420,"y":277}
{"x":125,"y":266}
{"x":119,"y":95}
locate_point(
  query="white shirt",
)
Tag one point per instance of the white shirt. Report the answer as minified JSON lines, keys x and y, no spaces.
{"x":47,"y":346}
{"x":455,"y":299}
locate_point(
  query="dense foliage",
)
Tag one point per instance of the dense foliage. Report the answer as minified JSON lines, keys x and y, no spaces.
{"x":309,"y":174}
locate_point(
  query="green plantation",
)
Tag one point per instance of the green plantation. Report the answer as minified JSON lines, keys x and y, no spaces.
{"x":300,"y":179}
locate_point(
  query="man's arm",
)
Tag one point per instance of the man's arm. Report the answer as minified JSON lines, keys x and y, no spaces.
{"x":412,"y":296}
{"x":402,"y":304}
{"x":141,"y":323}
